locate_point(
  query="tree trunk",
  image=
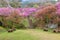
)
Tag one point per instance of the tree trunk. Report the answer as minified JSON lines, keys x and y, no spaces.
{"x":30,"y":23}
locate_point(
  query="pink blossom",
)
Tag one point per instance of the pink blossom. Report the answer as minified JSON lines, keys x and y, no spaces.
{"x":21,"y":11}
{"x":58,"y":8}
{"x":5,"y":11}
{"x":27,"y":11}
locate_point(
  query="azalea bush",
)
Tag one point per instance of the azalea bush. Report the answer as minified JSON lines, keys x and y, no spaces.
{"x":58,"y":17}
{"x":10,"y":17}
{"x":27,"y":13}
{"x":13,"y":17}
{"x":44,"y":15}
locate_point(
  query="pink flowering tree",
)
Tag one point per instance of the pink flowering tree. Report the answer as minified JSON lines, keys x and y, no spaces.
{"x":4,"y":12}
{"x":44,"y":15}
{"x":9,"y":15}
{"x":58,"y":16}
{"x":27,"y":13}
{"x":13,"y":17}
{"x":15,"y":14}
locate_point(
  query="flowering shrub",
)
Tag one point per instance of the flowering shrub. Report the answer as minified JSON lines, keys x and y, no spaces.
{"x":58,"y":16}
{"x":45,"y":10}
{"x":14,"y":15}
{"x":9,"y":16}
{"x":26,"y":12}
{"x":45,"y":14}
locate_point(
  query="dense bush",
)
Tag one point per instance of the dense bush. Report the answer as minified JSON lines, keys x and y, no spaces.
{"x":45,"y":14}
{"x":20,"y":26}
{"x":12,"y":17}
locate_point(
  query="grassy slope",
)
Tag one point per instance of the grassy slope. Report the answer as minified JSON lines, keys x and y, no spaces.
{"x":30,"y":34}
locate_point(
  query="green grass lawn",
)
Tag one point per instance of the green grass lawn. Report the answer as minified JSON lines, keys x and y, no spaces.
{"x":29,"y":34}
{"x":17,"y":35}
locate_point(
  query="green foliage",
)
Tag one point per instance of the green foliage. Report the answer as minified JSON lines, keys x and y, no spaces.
{"x":15,"y":4}
{"x":36,"y":5}
{"x":19,"y":26}
{"x":25,"y":22}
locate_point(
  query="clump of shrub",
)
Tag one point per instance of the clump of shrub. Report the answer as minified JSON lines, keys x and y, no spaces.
{"x":20,"y":26}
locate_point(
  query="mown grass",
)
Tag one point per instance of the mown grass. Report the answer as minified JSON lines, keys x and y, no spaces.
{"x":30,"y":34}
{"x":17,"y":35}
{"x":43,"y":35}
